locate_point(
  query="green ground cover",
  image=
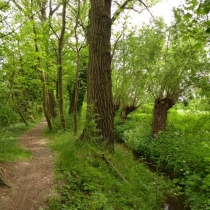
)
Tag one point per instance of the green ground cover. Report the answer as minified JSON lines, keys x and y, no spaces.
{"x":90,"y":178}
{"x":10,"y":150}
{"x":183,"y":152}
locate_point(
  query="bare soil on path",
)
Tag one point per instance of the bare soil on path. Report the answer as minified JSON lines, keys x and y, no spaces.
{"x":31,"y":180}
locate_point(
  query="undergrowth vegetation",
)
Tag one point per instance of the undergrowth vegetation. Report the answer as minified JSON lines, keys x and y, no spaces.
{"x":10,"y":150}
{"x":183,"y":151}
{"x":89,"y":177}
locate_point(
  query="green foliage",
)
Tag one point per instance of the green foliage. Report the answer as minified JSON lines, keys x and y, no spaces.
{"x":183,"y":151}
{"x":165,"y":64}
{"x":134,"y":67}
{"x":132,"y":130}
{"x":10,"y":150}
{"x":90,"y":178}
{"x":192,"y":19}
{"x":57,"y":123}
{"x":7,"y":116}
{"x":91,"y":130}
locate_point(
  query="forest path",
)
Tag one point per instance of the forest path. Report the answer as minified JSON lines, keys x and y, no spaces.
{"x":31,"y":180}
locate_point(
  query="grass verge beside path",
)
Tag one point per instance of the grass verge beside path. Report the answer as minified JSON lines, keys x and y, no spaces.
{"x":91,"y":178}
{"x":10,"y":150}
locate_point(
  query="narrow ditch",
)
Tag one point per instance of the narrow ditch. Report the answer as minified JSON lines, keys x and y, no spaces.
{"x":171,"y":203}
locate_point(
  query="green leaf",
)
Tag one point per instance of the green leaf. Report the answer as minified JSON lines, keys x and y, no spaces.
{"x":194,"y":3}
{"x":198,"y":46}
{"x":206,"y":3}
{"x":187,"y":16}
{"x":208,"y":30}
{"x":201,"y":11}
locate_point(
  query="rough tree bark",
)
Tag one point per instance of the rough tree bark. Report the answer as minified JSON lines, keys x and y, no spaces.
{"x":161,"y":108}
{"x":99,"y":84}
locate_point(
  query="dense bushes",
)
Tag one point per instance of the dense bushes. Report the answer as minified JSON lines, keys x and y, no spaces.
{"x":7,"y":116}
{"x":183,"y":151}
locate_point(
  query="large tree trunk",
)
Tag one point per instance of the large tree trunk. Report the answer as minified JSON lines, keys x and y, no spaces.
{"x":99,"y":84}
{"x":161,"y":108}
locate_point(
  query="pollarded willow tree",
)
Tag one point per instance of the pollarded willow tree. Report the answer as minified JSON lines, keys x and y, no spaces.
{"x":135,"y":53}
{"x":182,"y":64}
{"x":167,"y":65}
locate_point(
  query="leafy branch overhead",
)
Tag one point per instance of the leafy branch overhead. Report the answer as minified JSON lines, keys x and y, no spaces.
{"x":193,"y":14}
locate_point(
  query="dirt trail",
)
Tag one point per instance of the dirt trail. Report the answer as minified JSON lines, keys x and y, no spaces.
{"x":31,"y":180}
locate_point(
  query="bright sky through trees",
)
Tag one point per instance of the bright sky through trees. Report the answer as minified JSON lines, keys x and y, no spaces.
{"x":164,"y":9}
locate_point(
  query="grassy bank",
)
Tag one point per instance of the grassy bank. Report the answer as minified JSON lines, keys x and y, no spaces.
{"x":90,"y":178}
{"x":10,"y":150}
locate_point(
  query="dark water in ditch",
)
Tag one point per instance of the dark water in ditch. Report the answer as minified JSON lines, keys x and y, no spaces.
{"x":175,"y":204}
{"x":171,"y":203}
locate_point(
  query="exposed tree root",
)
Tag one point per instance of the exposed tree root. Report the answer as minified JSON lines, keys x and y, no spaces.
{"x":3,"y":180}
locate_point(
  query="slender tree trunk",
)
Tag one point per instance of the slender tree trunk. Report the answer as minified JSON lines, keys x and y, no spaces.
{"x":71,"y":99}
{"x":80,"y":98}
{"x":76,"y":85}
{"x":52,"y":103}
{"x":43,"y":80}
{"x":44,"y":101}
{"x":60,"y":68}
{"x":22,"y":117}
{"x":82,"y":84}
{"x":99,"y":84}
{"x":76,"y":89}
{"x":161,"y":108}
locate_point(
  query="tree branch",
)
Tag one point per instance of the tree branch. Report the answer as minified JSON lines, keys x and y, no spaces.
{"x":22,"y":24}
{"x":146,"y":8}
{"x":119,"y":10}
{"x":5,"y":5}
{"x":123,"y":6}
{"x":115,"y":45}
